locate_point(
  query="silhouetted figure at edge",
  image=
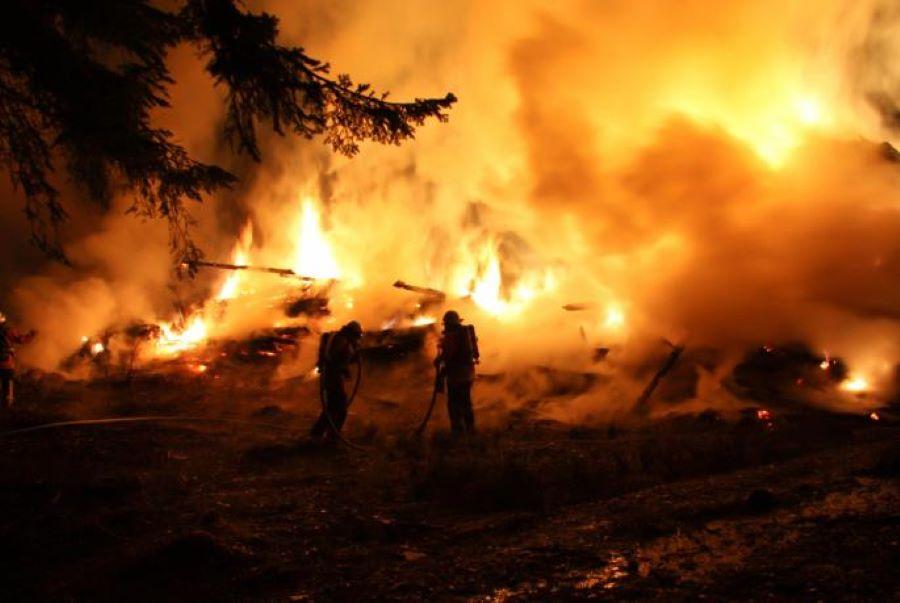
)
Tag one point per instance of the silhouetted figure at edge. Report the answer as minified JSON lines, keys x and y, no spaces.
{"x":456,"y":360}
{"x":9,"y":338}
{"x":337,"y":351}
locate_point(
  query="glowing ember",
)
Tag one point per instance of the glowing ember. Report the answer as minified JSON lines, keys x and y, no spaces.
{"x":97,"y":348}
{"x":314,"y":256}
{"x":874,"y":416}
{"x":199,"y":368}
{"x":763,"y":415}
{"x":855,"y":384}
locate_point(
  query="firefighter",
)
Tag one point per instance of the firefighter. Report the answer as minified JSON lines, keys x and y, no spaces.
{"x":9,"y":338}
{"x":337,"y":351}
{"x":456,"y":360}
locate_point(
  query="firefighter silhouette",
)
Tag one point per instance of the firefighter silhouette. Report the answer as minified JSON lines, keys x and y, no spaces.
{"x":456,"y":360}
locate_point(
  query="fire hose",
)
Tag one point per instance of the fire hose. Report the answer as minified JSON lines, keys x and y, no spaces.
{"x":323,"y":399}
{"x":438,"y":388}
{"x":141,"y":419}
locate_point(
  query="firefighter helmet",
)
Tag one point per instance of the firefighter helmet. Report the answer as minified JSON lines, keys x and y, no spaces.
{"x":353,"y":328}
{"x":451,"y":317}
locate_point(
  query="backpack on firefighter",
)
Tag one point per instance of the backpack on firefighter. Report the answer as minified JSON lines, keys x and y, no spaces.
{"x":324,"y":351}
{"x":467,"y":337}
{"x":472,"y":343}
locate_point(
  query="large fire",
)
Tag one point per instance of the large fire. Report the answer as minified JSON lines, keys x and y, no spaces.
{"x":714,"y":174}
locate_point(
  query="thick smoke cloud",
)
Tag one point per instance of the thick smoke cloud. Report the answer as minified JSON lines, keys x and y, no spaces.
{"x":708,"y":173}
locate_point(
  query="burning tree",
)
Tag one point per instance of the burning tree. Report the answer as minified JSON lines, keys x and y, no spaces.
{"x":79,"y":81}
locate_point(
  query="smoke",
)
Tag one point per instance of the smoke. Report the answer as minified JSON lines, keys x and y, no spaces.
{"x":707,"y":173}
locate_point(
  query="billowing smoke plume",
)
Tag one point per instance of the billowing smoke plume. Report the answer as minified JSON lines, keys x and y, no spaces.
{"x":710,"y":173}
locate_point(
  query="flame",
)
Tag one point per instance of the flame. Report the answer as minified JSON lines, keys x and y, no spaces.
{"x":174,"y":340}
{"x":314,"y":256}
{"x":240,"y":257}
{"x":486,"y":288}
{"x":97,"y":348}
{"x":481,"y":278}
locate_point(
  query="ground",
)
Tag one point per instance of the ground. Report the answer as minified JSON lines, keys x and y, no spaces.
{"x":237,"y":505}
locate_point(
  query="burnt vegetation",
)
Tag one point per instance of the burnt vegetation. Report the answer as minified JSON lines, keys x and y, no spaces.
{"x":79,"y":82}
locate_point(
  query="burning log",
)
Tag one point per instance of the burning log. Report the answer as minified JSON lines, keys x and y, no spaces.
{"x":429,"y":297}
{"x":313,"y":305}
{"x":426,"y":291}
{"x":284,"y":272}
{"x":267,"y":345}
{"x":667,"y":365}
{"x":578,"y":307}
{"x":392,"y":345}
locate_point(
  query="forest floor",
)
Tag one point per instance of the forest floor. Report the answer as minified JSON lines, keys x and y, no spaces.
{"x":237,"y":504}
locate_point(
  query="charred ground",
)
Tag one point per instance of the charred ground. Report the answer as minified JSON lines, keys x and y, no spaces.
{"x":236,"y":505}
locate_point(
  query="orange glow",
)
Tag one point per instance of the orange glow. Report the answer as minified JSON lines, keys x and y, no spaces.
{"x":855,"y":384}
{"x":314,"y":255}
{"x":421,"y":321}
{"x":615,"y":318}
{"x":240,"y":257}
{"x":174,"y":340}
{"x":480,"y":276}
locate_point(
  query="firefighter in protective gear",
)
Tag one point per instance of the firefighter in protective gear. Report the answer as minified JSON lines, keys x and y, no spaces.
{"x":456,"y":360}
{"x":9,"y":338}
{"x":337,"y":351}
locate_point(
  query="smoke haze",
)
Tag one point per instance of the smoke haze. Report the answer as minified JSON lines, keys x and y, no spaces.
{"x":705,"y":172}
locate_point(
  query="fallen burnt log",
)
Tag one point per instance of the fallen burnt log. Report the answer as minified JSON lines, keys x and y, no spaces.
{"x":266,"y":346}
{"x":97,"y":351}
{"x":192,"y":266}
{"x":579,"y":307}
{"x":641,"y":405}
{"x":780,"y":373}
{"x":394,"y":345}
{"x":312,"y":305}
{"x":429,"y":297}
{"x":427,"y":291}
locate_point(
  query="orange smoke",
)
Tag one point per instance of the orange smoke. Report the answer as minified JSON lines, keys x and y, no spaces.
{"x":707,"y":173}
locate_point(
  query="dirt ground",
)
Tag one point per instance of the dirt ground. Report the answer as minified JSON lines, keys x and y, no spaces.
{"x":231,"y":502}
